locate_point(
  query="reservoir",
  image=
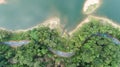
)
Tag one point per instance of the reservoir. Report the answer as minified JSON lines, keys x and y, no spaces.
{"x":23,"y":14}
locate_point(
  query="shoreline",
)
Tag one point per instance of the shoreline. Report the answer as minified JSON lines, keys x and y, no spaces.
{"x":86,"y":20}
{"x":109,"y":21}
{"x":91,"y":4}
{"x":52,"y":23}
{"x":3,"y":2}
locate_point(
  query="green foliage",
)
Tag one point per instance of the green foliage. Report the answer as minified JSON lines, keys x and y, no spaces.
{"x":96,"y":51}
{"x":4,"y":35}
{"x":91,"y":51}
{"x":6,"y":53}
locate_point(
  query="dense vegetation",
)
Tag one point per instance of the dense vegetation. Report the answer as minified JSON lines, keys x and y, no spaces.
{"x":89,"y":51}
{"x":96,"y":51}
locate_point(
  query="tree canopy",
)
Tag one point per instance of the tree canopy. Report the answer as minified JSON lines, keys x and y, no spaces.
{"x":90,"y":51}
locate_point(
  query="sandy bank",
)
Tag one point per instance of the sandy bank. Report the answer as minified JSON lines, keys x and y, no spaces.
{"x":79,"y":25}
{"x":104,"y":20}
{"x":3,"y":2}
{"x":90,"y":6}
{"x":52,"y":23}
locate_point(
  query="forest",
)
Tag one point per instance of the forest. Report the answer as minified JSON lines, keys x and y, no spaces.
{"x":89,"y":51}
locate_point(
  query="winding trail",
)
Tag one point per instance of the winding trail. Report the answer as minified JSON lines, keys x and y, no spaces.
{"x":70,"y":54}
{"x":16,"y":43}
{"x":114,"y":40}
{"x":61,"y":53}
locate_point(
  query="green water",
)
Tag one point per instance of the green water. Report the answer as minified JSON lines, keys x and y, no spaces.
{"x":23,"y":14}
{"x":110,"y":9}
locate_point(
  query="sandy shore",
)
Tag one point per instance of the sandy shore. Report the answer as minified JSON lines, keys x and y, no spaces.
{"x":52,"y":23}
{"x":86,"y":20}
{"x":89,"y":3}
{"x":105,"y":20}
{"x":3,"y":2}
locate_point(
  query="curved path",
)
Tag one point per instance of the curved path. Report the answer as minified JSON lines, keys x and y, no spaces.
{"x":57,"y":52}
{"x":16,"y":43}
{"x":69,"y":54}
{"x":61,"y":53}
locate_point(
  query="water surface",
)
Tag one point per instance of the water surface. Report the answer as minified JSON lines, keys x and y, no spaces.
{"x":110,"y":9}
{"x":23,"y":14}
